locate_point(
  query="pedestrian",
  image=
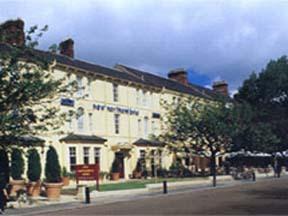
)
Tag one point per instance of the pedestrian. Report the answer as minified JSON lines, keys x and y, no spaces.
{"x":3,"y":192}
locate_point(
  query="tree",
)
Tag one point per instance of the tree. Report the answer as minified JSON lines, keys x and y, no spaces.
{"x":17,"y":164}
{"x":34,"y":165}
{"x":267,"y":94}
{"x":204,"y":128}
{"x":28,"y":90}
{"x":52,"y":166}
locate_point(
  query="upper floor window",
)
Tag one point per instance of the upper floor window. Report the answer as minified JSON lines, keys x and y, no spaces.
{"x":138,"y":97}
{"x":115,"y":92}
{"x":90,"y":116}
{"x":89,"y":88}
{"x":70,"y":119}
{"x":139,"y":128}
{"x":80,"y":89}
{"x":153,"y":127}
{"x":80,"y":118}
{"x":117,"y":123}
{"x":144,"y":98}
{"x":146,"y":126}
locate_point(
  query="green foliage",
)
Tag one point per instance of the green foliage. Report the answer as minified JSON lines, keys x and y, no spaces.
{"x":267,"y":94}
{"x":52,"y":166}
{"x":34,"y":165}
{"x":27,"y":87}
{"x":17,"y":164}
{"x":115,"y":166}
{"x":4,"y":166}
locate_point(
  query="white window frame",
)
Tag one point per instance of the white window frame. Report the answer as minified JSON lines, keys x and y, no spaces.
{"x":90,"y":119}
{"x":86,"y":155}
{"x":79,"y":80}
{"x":97,"y":154}
{"x":72,"y":154}
{"x":115,"y":92}
{"x":117,"y":123}
{"x":80,"y":118}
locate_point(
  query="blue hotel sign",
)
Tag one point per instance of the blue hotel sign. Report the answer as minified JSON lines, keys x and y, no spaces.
{"x":67,"y":102}
{"x":128,"y":111}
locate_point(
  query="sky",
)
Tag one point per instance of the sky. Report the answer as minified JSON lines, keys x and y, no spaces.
{"x":212,"y":39}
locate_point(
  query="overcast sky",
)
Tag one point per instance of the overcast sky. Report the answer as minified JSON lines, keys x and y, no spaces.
{"x":213,"y":39}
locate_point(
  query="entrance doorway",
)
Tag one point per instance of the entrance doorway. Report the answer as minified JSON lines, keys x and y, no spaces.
{"x":120,"y":158}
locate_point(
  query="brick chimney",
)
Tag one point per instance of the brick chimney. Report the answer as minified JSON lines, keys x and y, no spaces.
{"x":180,"y":75}
{"x":12,"y":32}
{"x":221,"y":87}
{"x":67,"y":48}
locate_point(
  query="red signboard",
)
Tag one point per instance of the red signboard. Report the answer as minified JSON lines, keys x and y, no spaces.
{"x":87,"y":172}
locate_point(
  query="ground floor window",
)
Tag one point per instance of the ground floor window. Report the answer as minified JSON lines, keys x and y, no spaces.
{"x":86,"y":151}
{"x":97,"y":155}
{"x":72,"y":158}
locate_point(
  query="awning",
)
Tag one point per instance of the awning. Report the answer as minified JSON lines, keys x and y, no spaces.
{"x":148,"y":143}
{"x":25,"y":141}
{"x":83,"y":138}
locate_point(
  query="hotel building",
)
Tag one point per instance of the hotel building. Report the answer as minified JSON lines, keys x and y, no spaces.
{"x":118,"y":109}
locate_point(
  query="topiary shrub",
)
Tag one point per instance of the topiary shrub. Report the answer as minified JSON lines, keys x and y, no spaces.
{"x":34,"y":165}
{"x":52,"y":166}
{"x":17,"y":164}
{"x":4,"y":166}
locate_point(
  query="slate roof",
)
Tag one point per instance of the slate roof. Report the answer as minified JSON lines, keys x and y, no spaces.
{"x":83,"y":138}
{"x":146,"y":143}
{"x":22,"y":140}
{"x":126,"y":73}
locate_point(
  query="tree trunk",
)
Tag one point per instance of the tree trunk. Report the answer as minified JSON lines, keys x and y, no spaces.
{"x":213,"y":168}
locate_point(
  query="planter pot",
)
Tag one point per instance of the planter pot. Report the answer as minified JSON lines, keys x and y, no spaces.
{"x":33,"y":189}
{"x":53,"y":190}
{"x":66,"y":181}
{"x":137,"y":175}
{"x":115,"y":176}
{"x":16,"y":185}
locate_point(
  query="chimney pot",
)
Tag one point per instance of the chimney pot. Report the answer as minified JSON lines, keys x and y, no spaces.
{"x":221,"y":87}
{"x":67,"y":48}
{"x":179,"y":75}
{"x":12,"y":32}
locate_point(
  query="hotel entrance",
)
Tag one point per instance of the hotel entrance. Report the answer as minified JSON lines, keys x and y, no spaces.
{"x":119,"y":156}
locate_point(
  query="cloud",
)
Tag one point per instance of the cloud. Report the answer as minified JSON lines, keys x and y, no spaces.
{"x":226,"y":39}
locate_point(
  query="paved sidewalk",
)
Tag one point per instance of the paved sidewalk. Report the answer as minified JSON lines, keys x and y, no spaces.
{"x":127,"y":195}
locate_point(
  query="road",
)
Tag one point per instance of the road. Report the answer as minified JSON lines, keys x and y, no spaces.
{"x":265,"y":197}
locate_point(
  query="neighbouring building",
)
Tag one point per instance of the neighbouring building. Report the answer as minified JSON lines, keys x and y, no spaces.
{"x":118,"y":111}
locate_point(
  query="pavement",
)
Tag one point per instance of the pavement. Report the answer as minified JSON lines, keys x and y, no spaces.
{"x":129,"y":196}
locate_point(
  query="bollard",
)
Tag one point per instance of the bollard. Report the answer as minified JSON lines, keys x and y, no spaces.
{"x":253,"y":176}
{"x":165,"y":191}
{"x":87,"y":195}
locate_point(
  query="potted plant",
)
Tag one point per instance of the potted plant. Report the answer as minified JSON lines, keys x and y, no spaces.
{"x":17,"y":170}
{"x":53,"y":182}
{"x":34,"y":173}
{"x":137,"y":173}
{"x":65,"y":177}
{"x":115,"y":171}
